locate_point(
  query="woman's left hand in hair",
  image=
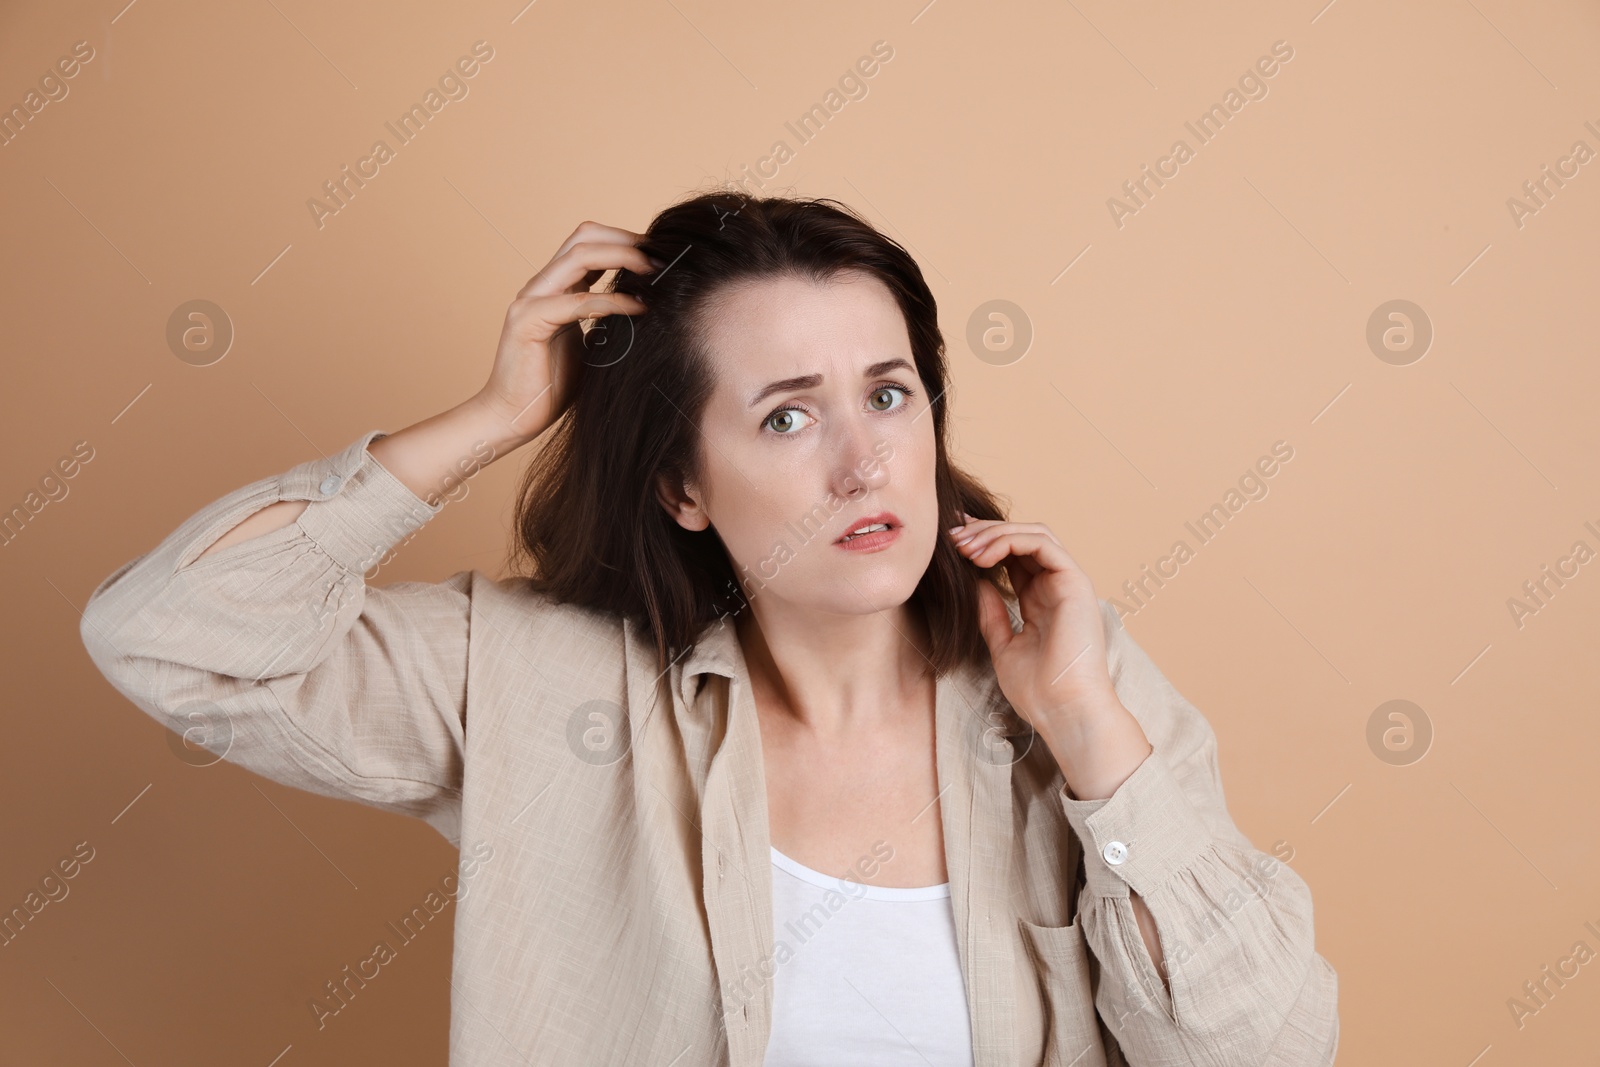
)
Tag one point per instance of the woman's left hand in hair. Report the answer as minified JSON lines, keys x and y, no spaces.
{"x":1055,"y":668}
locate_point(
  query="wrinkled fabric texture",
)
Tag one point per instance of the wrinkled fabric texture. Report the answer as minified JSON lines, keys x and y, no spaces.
{"x":618,"y":909}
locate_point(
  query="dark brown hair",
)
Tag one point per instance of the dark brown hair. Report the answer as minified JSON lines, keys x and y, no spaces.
{"x":588,"y":518}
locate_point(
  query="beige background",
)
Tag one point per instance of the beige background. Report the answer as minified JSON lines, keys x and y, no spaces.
{"x":1230,"y":312}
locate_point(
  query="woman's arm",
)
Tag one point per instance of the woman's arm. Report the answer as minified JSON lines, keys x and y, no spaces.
{"x":1239,"y":974}
{"x":1098,"y":751}
{"x":268,"y":648}
{"x":1239,"y":978}
{"x":250,"y":630}
{"x":430,"y":458}
{"x":276,"y":655}
{"x":537,"y":369}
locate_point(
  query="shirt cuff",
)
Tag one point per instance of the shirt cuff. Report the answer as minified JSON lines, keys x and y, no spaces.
{"x":358,"y":510}
{"x":1139,"y":835}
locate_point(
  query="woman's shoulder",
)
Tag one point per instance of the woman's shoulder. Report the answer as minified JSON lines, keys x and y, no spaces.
{"x":511,"y":618}
{"x":516,"y":603}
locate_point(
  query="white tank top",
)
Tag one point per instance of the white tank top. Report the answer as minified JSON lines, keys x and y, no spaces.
{"x":871,"y":974}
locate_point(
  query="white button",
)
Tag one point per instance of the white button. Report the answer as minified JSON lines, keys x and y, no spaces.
{"x":330,"y":485}
{"x":1115,"y":852}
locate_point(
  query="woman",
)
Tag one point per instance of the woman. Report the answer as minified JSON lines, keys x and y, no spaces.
{"x":771,"y":631}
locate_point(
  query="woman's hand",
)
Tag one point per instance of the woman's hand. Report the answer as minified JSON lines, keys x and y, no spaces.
{"x":1056,"y":665}
{"x":539,"y":363}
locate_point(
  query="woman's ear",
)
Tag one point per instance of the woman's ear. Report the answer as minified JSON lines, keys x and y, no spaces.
{"x":678,"y":498}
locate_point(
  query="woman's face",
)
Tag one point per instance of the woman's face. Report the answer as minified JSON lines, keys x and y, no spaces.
{"x":817,"y":423}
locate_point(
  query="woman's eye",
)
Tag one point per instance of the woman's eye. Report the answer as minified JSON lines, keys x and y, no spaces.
{"x":784,"y":421}
{"x":888,"y":390}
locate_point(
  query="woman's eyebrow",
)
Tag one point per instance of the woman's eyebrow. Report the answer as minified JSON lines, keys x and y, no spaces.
{"x":811,"y":381}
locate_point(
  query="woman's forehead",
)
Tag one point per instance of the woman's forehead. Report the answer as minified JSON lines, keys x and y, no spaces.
{"x":789,"y":328}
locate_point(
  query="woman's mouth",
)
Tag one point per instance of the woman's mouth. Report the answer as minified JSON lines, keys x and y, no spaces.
{"x":872,"y":532}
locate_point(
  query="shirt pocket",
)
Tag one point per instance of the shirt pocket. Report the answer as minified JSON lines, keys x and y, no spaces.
{"x":1060,"y":957}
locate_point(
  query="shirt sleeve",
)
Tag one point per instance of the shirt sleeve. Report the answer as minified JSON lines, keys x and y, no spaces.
{"x":1235,"y":924}
{"x":275,"y":653}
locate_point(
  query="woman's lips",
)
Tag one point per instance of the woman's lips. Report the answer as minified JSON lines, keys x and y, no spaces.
{"x":869,"y":542}
{"x":876,"y":539}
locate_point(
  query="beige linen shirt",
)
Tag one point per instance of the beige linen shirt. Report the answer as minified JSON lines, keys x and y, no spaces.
{"x":619,"y":907}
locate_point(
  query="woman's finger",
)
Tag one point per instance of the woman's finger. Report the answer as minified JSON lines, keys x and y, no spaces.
{"x":567,"y":271}
{"x":542,"y":318}
{"x":983,"y":529}
{"x":973,"y":526}
{"x":589,"y":230}
{"x":988,"y":549}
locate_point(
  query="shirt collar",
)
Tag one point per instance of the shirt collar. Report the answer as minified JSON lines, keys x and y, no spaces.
{"x":717,"y":651}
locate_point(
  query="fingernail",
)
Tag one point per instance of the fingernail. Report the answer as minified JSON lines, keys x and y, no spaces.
{"x":957,"y":529}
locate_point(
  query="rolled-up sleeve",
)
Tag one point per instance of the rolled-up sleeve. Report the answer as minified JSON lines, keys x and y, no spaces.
{"x":1235,"y":923}
{"x":275,"y":653}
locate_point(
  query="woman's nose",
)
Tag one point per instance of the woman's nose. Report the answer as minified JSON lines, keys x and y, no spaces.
{"x":859,"y":470}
